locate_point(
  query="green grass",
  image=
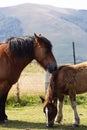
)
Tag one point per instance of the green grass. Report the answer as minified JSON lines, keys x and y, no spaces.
{"x":32,"y":118}
{"x":80,"y":99}
{"x":26,"y":100}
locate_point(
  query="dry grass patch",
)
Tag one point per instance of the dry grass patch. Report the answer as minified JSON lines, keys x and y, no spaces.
{"x":31,"y":81}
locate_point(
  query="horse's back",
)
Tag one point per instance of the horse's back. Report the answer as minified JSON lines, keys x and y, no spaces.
{"x":80,"y":65}
{"x":73,"y":76}
{"x":81,"y":77}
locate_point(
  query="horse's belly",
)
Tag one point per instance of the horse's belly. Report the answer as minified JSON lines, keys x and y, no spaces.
{"x":81,"y":82}
{"x":81,"y":88}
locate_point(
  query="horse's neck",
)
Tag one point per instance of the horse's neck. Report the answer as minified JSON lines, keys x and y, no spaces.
{"x":21,"y":63}
{"x":17,"y":67}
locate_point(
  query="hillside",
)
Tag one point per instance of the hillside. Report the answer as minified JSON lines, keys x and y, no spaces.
{"x":61,"y":26}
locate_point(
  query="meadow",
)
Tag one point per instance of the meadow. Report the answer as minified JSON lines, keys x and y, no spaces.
{"x":32,"y":118}
{"x":27,"y":113}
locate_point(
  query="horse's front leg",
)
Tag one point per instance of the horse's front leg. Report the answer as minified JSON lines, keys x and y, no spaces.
{"x":76,"y":121}
{"x":3,"y":116}
{"x":59,"y":113}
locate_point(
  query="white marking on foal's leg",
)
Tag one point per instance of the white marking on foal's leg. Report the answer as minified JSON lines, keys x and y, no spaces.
{"x":59,"y":114}
{"x":46,"y":110}
{"x":76,"y":121}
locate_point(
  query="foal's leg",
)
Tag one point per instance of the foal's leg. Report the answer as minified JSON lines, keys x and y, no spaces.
{"x":59,"y":113}
{"x":76,"y":121}
{"x":3,"y":116}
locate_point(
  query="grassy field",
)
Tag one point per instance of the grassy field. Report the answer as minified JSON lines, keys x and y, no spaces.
{"x":32,"y":118}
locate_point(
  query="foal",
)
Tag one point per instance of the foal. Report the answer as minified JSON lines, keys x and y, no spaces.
{"x":67,"y":80}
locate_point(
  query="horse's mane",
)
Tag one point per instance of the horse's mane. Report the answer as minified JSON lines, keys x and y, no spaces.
{"x":46,"y":41}
{"x":21,"y":46}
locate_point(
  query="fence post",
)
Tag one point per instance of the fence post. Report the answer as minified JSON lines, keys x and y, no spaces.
{"x":18,"y":93}
{"x":74,"y":57}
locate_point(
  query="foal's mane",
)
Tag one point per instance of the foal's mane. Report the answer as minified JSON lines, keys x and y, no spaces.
{"x":21,"y":46}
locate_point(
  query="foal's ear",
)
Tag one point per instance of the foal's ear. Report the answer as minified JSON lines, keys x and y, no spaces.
{"x":42,"y":99}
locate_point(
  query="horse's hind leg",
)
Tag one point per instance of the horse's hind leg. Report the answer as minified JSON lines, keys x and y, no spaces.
{"x":3,"y":116}
{"x":76,"y":121}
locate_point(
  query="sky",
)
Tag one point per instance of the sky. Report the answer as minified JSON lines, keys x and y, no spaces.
{"x":74,"y":4}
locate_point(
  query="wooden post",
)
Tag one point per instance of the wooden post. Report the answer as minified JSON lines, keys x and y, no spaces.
{"x":18,"y":93}
{"x":74,"y":52}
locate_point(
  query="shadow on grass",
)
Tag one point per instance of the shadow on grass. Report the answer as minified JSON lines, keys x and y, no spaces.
{"x":31,"y":125}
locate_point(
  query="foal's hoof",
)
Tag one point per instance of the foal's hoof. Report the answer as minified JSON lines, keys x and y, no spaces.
{"x":75,"y":125}
{"x":58,"y":121}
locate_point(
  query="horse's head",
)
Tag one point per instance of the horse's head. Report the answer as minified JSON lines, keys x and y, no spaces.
{"x":43,"y":53}
{"x":50,"y":110}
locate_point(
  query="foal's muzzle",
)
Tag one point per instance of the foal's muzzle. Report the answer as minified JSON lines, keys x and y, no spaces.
{"x":51,"y":67}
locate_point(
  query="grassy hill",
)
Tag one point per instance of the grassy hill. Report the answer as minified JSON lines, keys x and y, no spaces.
{"x":61,"y":26}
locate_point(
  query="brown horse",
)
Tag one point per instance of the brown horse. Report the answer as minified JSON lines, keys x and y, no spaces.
{"x":15,"y":54}
{"x":67,"y":80}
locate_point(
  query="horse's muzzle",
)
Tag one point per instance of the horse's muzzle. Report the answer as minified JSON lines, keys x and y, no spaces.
{"x":51,"y":67}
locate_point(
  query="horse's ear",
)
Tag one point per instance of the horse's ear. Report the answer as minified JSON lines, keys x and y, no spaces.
{"x":42,"y":99}
{"x":36,"y":38}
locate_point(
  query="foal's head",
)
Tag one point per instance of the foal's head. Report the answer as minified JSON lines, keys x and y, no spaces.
{"x":43,"y":53}
{"x":50,"y":110}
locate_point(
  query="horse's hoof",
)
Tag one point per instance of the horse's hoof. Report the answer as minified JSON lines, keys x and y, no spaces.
{"x":75,"y":125}
{"x":58,"y":120}
{"x":5,"y":120}
{"x":2,"y":122}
